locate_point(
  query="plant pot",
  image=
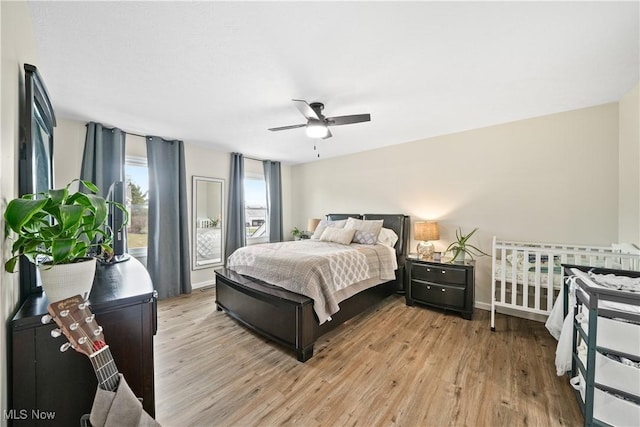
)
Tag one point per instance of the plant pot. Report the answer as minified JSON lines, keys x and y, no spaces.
{"x":459,"y":259}
{"x":66,"y":280}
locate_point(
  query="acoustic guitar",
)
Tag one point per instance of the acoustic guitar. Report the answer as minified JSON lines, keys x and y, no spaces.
{"x":77,"y":323}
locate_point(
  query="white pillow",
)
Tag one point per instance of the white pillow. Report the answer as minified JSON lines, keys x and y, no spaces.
{"x":372,"y":225}
{"x":327,"y":223}
{"x":387,"y":237}
{"x":337,"y":235}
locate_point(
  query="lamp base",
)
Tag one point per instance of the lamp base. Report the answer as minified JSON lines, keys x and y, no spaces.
{"x":425,"y":251}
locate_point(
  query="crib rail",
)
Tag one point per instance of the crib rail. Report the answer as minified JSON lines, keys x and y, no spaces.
{"x":527,"y":276}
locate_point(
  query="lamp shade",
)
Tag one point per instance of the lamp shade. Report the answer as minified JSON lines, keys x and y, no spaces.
{"x":312,"y":223}
{"x":426,"y":230}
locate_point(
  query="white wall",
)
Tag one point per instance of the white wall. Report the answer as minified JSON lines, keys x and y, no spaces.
{"x":629,"y":161}
{"x":18,"y":47}
{"x":549,"y":179}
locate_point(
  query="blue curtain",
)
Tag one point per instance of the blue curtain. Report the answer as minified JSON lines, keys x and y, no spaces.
{"x":274,"y":199}
{"x":103,"y":163}
{"x":236,"y":237}
{"x":168,"y":248}
{"x":103,"y":157}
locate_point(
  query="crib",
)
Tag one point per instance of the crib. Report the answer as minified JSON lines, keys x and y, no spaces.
{"x":526,"y":277}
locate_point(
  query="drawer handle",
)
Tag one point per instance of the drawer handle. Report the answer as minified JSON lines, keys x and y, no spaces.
{"x":444,"y":271}
{"x":428,"y":287}
{"x":428,"y":269}
{"x":442,"y":289}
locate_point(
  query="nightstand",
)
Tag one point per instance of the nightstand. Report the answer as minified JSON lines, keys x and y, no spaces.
{"x":450,"y":286}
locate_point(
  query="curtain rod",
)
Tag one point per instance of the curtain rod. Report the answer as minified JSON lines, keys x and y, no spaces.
{"x":145,"y":136}
{"x":133,"y":134}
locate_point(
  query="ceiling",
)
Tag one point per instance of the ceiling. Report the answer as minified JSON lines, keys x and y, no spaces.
{"x":219,"y":74}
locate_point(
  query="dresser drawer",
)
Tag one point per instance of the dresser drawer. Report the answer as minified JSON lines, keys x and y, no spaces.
{"x":439,"y":274}
{"x":438,"y":294}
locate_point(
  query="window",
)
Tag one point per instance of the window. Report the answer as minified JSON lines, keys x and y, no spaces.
{"x":137,"y":176}
{"x":255,"y":203}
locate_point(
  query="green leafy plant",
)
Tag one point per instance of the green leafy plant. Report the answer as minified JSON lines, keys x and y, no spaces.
{"x":299,"y":233}
{"x":58,"y":226}
{"x":462,"y":245}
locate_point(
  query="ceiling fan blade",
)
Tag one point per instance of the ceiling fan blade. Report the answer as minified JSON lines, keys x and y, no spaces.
{"x":289,"y":127}
{"x":305,"y":109}
{"x":346,"y":120}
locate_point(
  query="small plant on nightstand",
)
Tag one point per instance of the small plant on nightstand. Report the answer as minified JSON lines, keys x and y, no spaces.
{"x":460,"y":248}
{"x":299,"y":234}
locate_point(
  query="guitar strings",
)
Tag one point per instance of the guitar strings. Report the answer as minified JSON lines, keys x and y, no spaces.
{"x":102,"y":361}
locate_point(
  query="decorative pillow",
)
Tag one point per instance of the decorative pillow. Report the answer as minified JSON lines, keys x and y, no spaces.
{"x":338,"y":235}
{"x":372,"y":225}
{"x":387,"y":237}
{"x":364,"y":237}
{"x":327,"y":223}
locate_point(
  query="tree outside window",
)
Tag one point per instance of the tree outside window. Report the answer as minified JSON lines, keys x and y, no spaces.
{"x":137,"y":176}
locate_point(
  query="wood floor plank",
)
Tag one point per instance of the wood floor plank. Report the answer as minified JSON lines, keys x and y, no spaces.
{"x":394,"y":365}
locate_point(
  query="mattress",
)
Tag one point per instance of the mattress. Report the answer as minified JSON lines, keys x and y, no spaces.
{"x":530,"y":274}
{"x":326,"y":272}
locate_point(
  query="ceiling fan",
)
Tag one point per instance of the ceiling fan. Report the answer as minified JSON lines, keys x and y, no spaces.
{"x":318,"y":125}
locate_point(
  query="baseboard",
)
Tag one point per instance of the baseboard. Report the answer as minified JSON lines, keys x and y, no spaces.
{"x":482,"y":305}
{"x":203,"y":284}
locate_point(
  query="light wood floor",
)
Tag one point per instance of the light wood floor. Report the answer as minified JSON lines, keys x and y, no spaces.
{"x":394,"y":365}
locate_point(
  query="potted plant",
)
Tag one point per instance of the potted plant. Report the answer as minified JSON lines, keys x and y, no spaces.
{"x":62,"y":233}
{"x":461,"y":247}
{"x":299,"y":234}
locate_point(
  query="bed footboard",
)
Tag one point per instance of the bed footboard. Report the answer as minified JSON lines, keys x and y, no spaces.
{"x":286,"y":317}
{"x":282,"y":316}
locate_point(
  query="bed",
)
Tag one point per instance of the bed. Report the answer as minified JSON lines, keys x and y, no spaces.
{"x":526,"y":277}
{"x":290,"y":318}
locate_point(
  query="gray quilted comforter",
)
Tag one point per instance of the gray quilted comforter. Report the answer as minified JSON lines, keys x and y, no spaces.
{"x":325,"y":272}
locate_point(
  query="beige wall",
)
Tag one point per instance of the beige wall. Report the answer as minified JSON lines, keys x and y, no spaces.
{"x":629,"y":164}
{"x":200,"y":161}
{"x":546,"y":179}
{"x":18,"y":47}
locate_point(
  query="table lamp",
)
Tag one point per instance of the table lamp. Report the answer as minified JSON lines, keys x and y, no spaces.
{"x":312,"y":223}
{"x":424,"y":232}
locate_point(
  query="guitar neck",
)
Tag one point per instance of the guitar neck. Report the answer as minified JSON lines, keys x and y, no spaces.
{"x":105,"y":369}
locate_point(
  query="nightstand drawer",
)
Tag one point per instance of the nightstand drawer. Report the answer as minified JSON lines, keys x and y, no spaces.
{"x":439,"y":274}
{"x":442,"y":295}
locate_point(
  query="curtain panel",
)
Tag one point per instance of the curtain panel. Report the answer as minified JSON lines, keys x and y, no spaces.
{"x":103,"y":157}
{"x":236,"y":237}
{"x":274,"y":199}
{"x":168,"y":260}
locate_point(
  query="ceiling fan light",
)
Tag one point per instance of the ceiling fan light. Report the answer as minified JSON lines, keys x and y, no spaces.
{"x":317,"y":129}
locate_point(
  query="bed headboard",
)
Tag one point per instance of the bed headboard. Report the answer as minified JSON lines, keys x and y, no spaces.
{"x":399,"y":223}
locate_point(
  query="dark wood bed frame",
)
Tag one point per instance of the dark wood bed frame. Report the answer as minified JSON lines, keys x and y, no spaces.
{"x":288,"y":318}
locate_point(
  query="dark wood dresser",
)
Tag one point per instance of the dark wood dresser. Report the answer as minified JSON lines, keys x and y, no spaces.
{"x":449,"y":286}
{"x":52,"y":388}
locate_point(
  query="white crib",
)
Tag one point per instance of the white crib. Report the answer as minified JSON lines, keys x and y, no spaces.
{"x":527,"y":276}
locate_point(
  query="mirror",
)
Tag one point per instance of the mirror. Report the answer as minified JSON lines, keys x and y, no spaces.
{"x":36,"y":167}
{"x":36,"y":155}
{"x":207,"y":213}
